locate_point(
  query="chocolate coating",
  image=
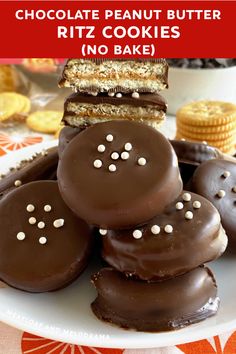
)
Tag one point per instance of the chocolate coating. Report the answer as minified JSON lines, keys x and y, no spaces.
{"x":66,"y":135}
{"x":208,"y":180}
{"x":191,"y":155}
{"x":42,"y":167}
{"x":145,"y":99}
{"x":128,"y":196}
{"x":29,"y":265}
{"x":164,"y":255}
{"x":160,"y":306}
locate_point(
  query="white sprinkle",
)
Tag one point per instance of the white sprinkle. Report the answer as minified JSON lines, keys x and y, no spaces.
{"x":112,"y":168}
{"x":115,"y":156}
{"x":128,"y":146}
{"x":182,"y":139}
{"x":142,"y":161}
{"x":234,"y":189}
{"x":58,"y":223}
{"x":204,"y":142}
{"x":20,"y":236}
{"x":109,"y":138}
{"x":30,"y":208}
{"x":188,"y":215}
{"x":197,"y":204}
{"x":47,"y":208}
{"x":103,"y":232}
{"x":41,"y":225}
{"x":32,"y":221}
{"x":101,"y":148}
{"x":124,"y":155}
{"x":226,"y":174}
{"x":187,"y":197}
{"x":42,"y":240}
{"x":137,"y":234}
{"x":155,"y":229}
{"x":179,"y":206}
{"x":94,"y":93}
{"x":221,"y":193}
{"x":135,"y":95}
{"x":44,"y":153}
{"x":111,"y":94}
{"x":17,"y":183}
{"x":119,"y":95}
{"x":168,"y":229}
{"x":97,"y":163}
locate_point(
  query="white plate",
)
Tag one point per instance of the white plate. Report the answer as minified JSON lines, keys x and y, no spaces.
{"x":66,"y":316}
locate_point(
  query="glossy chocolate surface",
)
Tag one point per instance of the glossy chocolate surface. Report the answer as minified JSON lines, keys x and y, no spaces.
{"x":133,"y":193}
{"x":191,"y":243}
{"x":212,"y":177}
{"x":28,"y":264}
{"x":160,"y":306}
{"x":42,"y":167}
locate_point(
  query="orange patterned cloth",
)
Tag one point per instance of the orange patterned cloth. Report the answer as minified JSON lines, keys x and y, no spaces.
{"x":14,"y":341}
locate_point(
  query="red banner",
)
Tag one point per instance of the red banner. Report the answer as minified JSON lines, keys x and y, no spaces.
{"x":117,"y":29}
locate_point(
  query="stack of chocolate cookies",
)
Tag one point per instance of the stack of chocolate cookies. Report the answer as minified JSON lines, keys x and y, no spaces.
{"x":115,"y":89}
{"x":123,"y":178}
{"x":119,"y":181}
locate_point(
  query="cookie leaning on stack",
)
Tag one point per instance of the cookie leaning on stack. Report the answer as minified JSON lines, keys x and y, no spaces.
{"x":210,"y":121}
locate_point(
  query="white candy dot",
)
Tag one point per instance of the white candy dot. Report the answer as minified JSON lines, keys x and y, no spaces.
{"x":58,"y":223}
{"x":103,"y":232}
{"x":128,"y":146}
{"x":187,"y":197}
{"x":101,"y":148}
{"x":30,"y":208}
{"x":221,"y":193}
{"x":142,"y":161}
{"x":168,"y":229}
{"x":97,"y":163}
{"x":204,"y":142}
{"x":112,"y":168}
{"x":42,"y":240}
{"x":41,"y":225}
{"x":20,"y":236}
{"x":188,"y":215}
{"x":226,"y":174}
{"x":115,"y":156}
{"x":17,"y":183}
{"x":179,"y":206}
{"x":137,"y":234}
{"x":196,"y":204}
{"x":155,"y":229}
{"x":111,"y":94}
{"x":109,"y":138}
{"x":94,"y":93}
{"x":124,"y":155}
{"x":32,"y":221}
{"x":182,"y":139}
{"x":47,"y":208}
{"x":119,"y":95}
{"x":135,"y":95}
{"x":234,"y":189}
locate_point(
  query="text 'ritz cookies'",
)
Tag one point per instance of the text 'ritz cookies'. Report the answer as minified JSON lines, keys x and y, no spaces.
{"x":114,"y":183}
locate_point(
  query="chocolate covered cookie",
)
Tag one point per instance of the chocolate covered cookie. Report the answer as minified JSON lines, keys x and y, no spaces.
{"x":119,"y":174}
{"x":118,"y":75}
{"x":216,"y":181}
{"x":66,"y":135}
{"x":161,"y":306}
{"x":41,"y":166}
{"x":191,"y":155}
{"x":186,"y":235}
{"x":83,"y":110}
{"x":43,"y":246}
